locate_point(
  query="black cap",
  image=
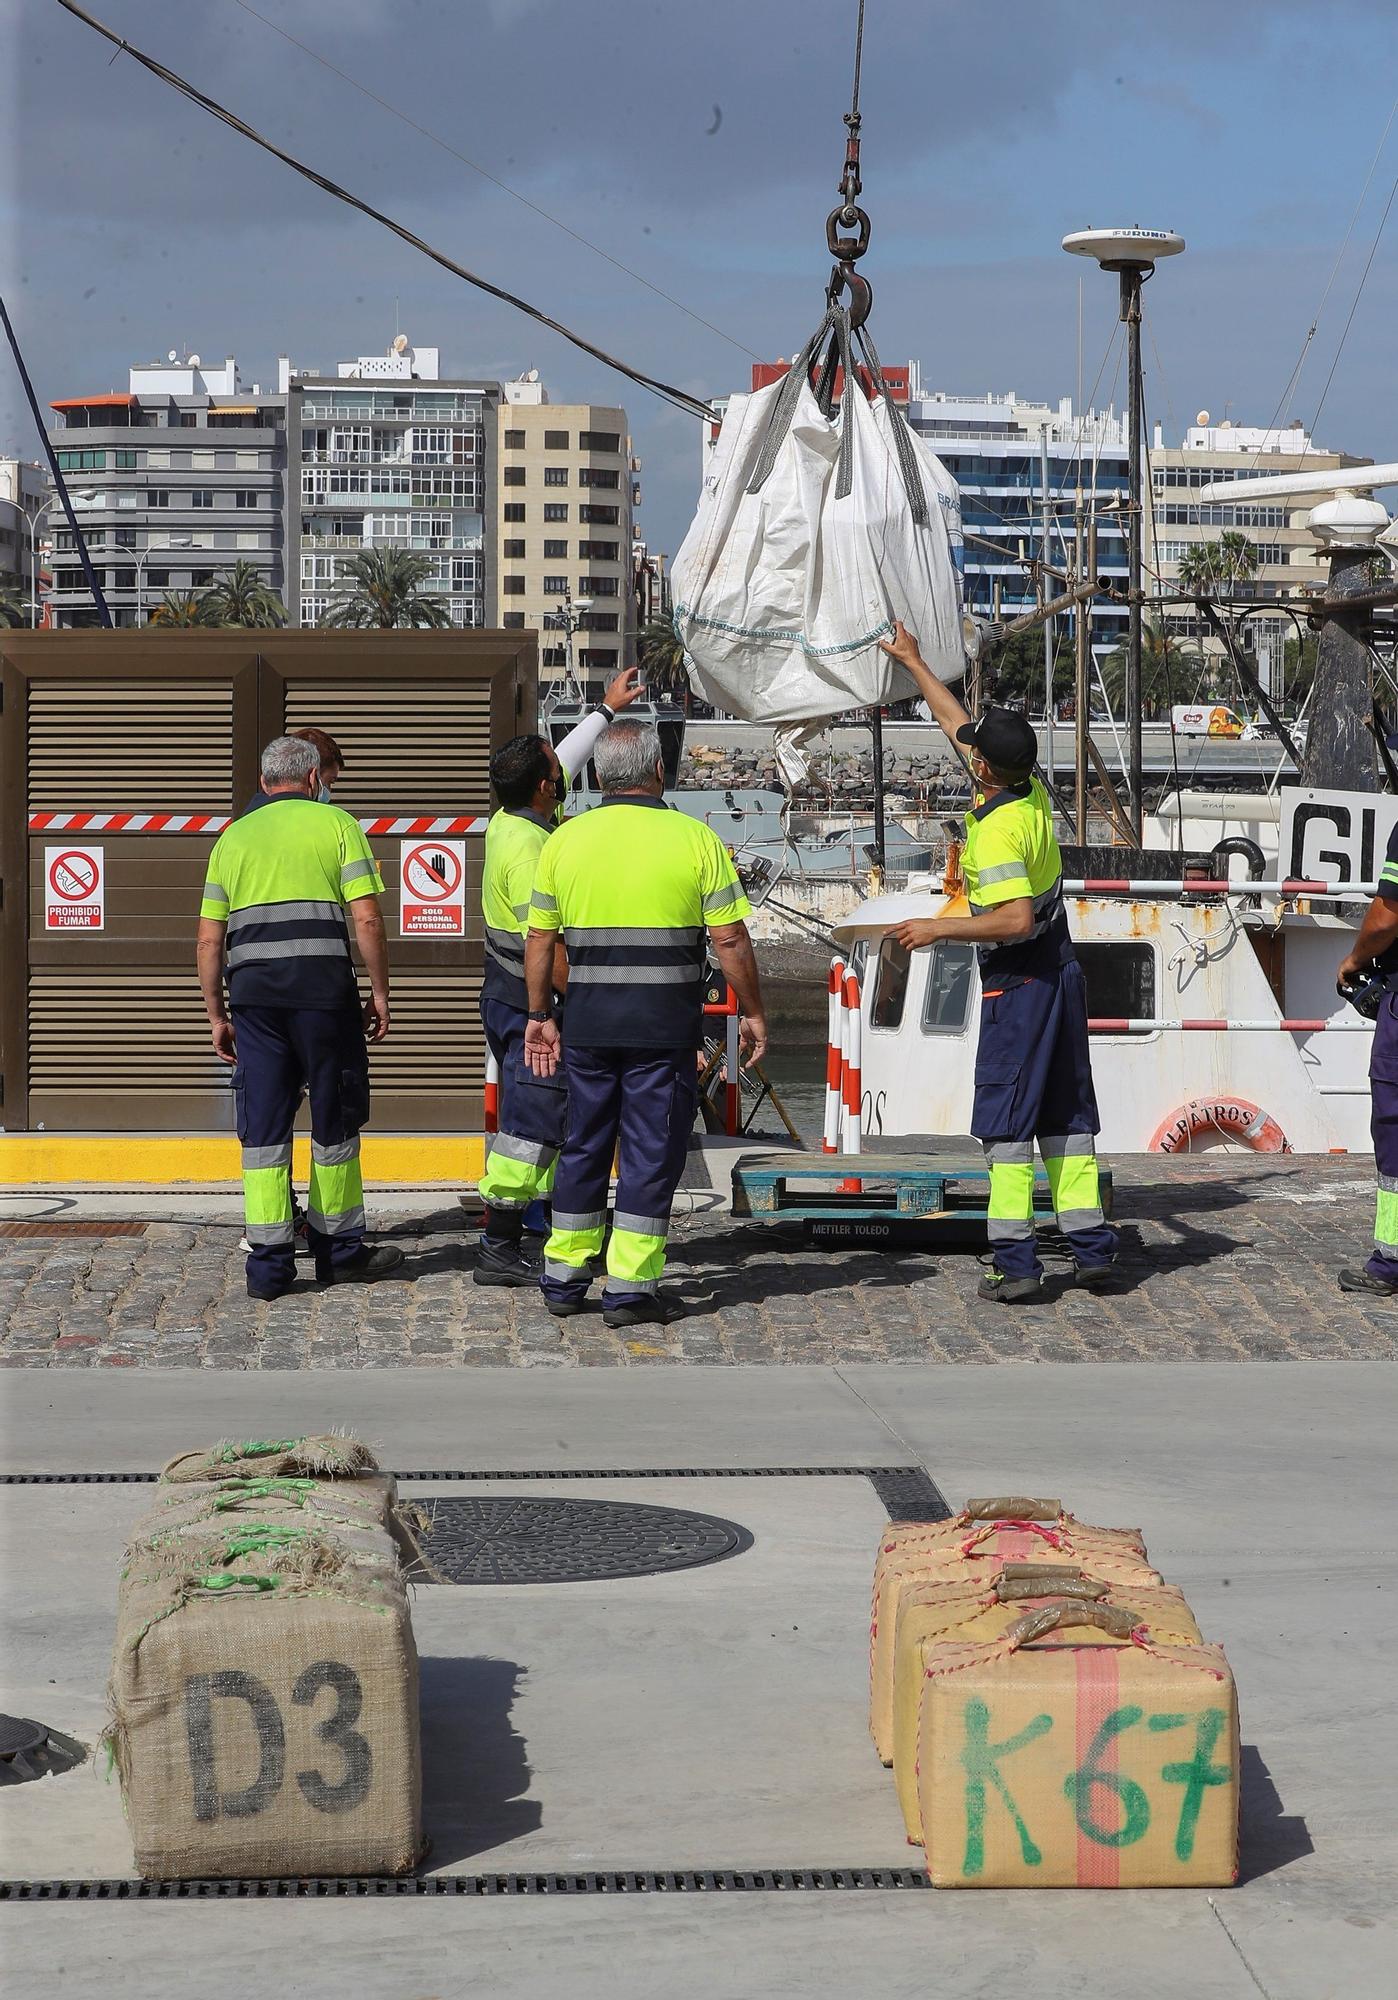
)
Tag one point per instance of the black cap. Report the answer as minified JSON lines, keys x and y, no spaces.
{"x":1005,"y":740}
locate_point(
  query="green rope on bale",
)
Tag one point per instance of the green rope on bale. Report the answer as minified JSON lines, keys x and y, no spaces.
{"x":233,"y":1491}
{"x":258,"y":1537}
{"x":227,"y":1580}
{"x":229,"y":1454}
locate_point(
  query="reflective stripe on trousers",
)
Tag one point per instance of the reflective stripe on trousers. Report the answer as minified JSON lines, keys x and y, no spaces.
{"x":1383,"y":1123}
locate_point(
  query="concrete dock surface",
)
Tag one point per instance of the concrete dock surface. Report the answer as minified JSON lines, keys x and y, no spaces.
{"x":715,"y":1718}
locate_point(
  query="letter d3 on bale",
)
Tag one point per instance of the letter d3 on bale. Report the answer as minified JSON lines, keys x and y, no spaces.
{"x":266,"y":1720}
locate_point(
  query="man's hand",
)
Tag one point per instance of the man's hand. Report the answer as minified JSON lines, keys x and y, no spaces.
{"x":752,"y":1039}
{"x":221,"y":1034}
{"x":916,"y":932}
{"x":1353,"y":968}
{"x":624,"y":689}
{"x":376,"y":1018}
{"x":902,"y":647}
{"x":543,"y":1047}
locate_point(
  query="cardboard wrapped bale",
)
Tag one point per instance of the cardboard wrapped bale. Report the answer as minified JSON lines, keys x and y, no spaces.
{"x":930,"y":1614}
{"x":323,"y":1455}
{"x":976,"y":1551}
{"x":265,"y":1716}
{"x":1048,"y":1760}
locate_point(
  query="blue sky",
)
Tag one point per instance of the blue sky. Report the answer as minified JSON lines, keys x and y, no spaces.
{"x":131,"y":223}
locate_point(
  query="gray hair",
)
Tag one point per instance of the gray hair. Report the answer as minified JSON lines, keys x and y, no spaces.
{"x":288,"y":760}
{"x":626,"y":756}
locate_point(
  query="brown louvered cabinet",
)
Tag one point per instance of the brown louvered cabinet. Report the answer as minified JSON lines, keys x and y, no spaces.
{"x":104,"y":1030}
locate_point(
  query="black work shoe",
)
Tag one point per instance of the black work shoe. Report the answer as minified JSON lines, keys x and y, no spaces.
{"x":373,"y":1261}
{"x":564,"y":1308}
{"x":1092,"y":1277}
{"x":504,"y":1266}
{"x":1009,"y":1291}
{"x":273,"y":1292}
{"x":644,"y":1309}
{"x":531,"y":1249}
{"x":1365,"y":1281}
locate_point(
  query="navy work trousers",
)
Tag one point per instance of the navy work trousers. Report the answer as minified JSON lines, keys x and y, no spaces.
{"x":281,"y":1052}
{"x":531,"y":1117}
{"x":1383,"y":1123}
{"x":639,"y":1107}
{"x":1034,"y":1083}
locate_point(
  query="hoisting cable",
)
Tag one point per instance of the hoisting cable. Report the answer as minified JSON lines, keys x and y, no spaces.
{"x":680,"y":398}
{"x":847,"y":250}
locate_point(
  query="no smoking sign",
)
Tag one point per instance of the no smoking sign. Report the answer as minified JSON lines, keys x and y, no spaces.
{"x":432,"y":888}
{"x":75,"y":889}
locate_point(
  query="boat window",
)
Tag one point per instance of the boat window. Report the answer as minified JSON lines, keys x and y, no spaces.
{"x":1120,"y":980}
{"x":948,"y":996}
{"x":890,"y":985}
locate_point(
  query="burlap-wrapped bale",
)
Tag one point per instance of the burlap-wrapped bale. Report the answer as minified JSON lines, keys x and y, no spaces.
{"x":976,"y":1552}
{"x":1048,"y":1759}
{"x":272,"y":1539}
{"x":370,"y":1500}
{"x":326,"y":1455}
{"x":931,"y":1614}
{"x":265,"y":1714}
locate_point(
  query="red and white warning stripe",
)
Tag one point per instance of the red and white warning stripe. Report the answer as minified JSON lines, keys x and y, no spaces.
{"x":1110,"y":1026}
{"x":158,"y":822}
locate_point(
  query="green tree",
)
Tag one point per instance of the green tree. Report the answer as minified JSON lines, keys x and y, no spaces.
{"x":241,"y":597}
{"x":14,"y":610}
{"x":661,"y":657}
{"x":1170,"y":672}
{"x":1208,"y":569}
{"x":384,"y":590}
{"x":182,"y":609}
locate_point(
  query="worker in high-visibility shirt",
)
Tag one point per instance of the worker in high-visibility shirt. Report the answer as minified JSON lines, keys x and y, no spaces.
{"x":633,"y":887}
{"x":1033,"y":1068}
{"x":280,"y":884}
{"x":530,"y":780}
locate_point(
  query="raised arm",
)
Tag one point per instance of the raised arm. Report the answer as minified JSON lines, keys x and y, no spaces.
{"x":948,"y":709}
{"x":578,"y":745}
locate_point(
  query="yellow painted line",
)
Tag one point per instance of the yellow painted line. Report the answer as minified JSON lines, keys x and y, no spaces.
{"x":192,"y":1159}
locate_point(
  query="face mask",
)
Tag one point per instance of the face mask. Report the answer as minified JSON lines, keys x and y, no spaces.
{"x":323,"y":795}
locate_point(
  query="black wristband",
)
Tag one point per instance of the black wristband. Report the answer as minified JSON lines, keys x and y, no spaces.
{"x":541,"y":1014}
{"x":610,"y":713}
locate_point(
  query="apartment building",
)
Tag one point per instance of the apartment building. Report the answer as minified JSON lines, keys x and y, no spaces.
{"x":386,"y":453}
{"x":566,"y":497}
{"x":1287,"y":560}
{"x":173,"y":480}
{"x":22,"y":528}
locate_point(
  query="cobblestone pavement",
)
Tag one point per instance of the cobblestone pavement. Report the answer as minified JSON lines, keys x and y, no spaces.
{"x":1224,"y":1258}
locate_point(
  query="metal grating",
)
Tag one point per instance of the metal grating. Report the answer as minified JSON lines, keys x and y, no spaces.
{"x":410,"y":746}
{"x":60,"y":1228}
{"x":506,"y":1538}
{"x":120,"y":745}
{"x":610,"y":1882}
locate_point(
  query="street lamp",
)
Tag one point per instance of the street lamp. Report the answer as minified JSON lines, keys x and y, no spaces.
{"x":33,"y":521}
{"x":564,"y":622}
{"x":1132,"y":253}
{"x":155,"y":549}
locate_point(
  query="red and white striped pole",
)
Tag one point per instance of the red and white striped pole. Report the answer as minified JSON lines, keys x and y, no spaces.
{"x":731,"y":1088}
{"x":830,"y":1129}
{"x":492,"y":1093}
{"x":851,"y":1077}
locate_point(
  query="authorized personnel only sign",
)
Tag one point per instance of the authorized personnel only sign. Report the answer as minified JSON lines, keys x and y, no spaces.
{"x":75,"y":889}
{"x":433,"y":888}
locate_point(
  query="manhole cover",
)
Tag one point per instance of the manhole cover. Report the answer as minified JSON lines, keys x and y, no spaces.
{"x":519,"y":1539}
{"x":29,"y":1750}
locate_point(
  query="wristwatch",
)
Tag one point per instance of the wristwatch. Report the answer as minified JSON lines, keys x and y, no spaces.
{"x":540,"y":1015}
{"x":610,"y":713}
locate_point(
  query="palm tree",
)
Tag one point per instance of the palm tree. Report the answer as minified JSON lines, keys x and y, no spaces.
{"x":1208,"y":568}
{"x":241,"y":597}
{"x":1169,"y":671}
{"x":183,"y":609}
{"x":13,"y":610}
{"x":385,"y":593}
{"x":661,"y":655}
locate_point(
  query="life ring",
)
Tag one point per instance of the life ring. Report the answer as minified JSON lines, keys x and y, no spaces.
{"x":1235,"y":1117}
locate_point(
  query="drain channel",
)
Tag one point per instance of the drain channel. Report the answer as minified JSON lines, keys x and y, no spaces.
{"x":614,"y":1882}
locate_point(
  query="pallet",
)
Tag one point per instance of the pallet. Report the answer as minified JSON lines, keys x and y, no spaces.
{"x":892,"y":1189}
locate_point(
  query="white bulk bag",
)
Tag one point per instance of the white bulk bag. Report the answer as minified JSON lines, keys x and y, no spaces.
{"x":813,"y":535}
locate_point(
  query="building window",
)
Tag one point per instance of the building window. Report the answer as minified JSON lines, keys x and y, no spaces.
{"x":598,"y":586}
{"x":513,"y":551}
{"x":245,"y":461}
{"x":514,"y":475}
{"x":200,"y":579}
{"x":1120,"y":980}
{"x":158,"y":579}
{"x":202,"y":496}
{"x":598,"y":516}
{"x":514,"y":440}
{"x":157,"y":499}
{"x":514,"y":510}
{"x":513,"y":621}
{"x":555,"y":440}
{"x":599,"y":441}
{"x":247,"y":497}
{"x":203,"y":461}
{"x":555,"y":510}
{"x":600,"y":621}
{"x":124,"y":538}
{"x":555,"y":551}
{"x":890,"y":985}
{"x":123,"y":579}
{"x":555,"y":586}
{"x":596,"y":475}
{"x":82,"y":461}
{"x":189,"y":420}
{"x":157,"y":461}
{"x":554,"y":475}
{"x":248,"y":541}
{"x":124,"y":461}
{"x":948,"y":997}
{"x":597,"y":551}
{"x":512,"y":586}
{"x":599,"y":656}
